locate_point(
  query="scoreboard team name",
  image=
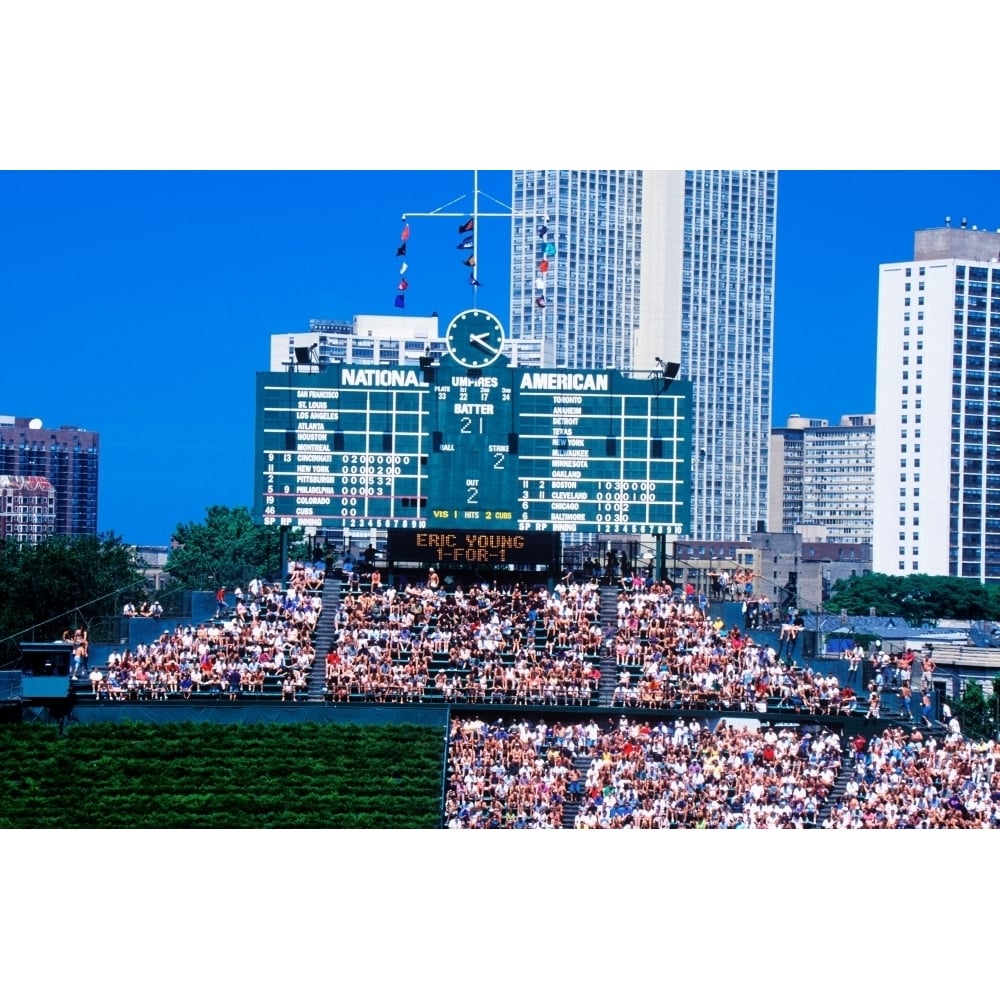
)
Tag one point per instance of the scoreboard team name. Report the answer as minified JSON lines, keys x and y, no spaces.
{"x":565,"y":382}
{"x":381,"y":377}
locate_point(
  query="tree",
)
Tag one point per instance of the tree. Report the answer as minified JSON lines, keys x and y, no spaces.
{"x":974,"y":713}
{"x":226,"y":550}
{"x":916,"y":599}
{"x":63,"y":583}
{"x":993,"y":705}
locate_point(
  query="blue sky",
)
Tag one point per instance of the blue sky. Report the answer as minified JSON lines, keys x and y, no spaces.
{"x":140,"y":304}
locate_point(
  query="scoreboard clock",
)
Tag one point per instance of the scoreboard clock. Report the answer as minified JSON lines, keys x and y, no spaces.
{"x":475,"y":338}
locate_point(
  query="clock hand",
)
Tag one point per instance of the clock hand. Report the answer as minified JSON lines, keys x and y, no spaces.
{"x":482,"y":340}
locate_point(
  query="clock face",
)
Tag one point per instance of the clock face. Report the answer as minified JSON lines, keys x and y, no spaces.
{"x":475,"y":338}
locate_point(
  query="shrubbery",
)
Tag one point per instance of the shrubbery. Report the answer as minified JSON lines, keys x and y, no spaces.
{"x":234,"y":776}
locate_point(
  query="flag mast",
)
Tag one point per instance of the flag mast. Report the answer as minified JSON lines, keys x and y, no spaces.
{"x":472,"y":224}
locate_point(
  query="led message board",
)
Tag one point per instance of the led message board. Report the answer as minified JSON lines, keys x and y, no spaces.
{"x":473,"y":548}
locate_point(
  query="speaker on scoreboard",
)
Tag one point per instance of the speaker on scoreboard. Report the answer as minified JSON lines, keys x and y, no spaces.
{"x":437,"y":439}
{"x":512,"y":442}
{"x":291,"y":440}
{"x":338,"y":440}
{"x":610,"y":447}
{"x":656,"y":447}
{"x":387,"y":440}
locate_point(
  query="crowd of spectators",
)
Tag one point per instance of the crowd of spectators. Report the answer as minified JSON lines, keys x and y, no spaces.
{"x":904,"y":779}
{"x":477,"y":644}
{"x":644,"y":774}
{"x":670,"y":653}
{"x":638,"y":774}
{"x":264,"y":639}
{"x":535,"y":647}
{"x":483,"y":644}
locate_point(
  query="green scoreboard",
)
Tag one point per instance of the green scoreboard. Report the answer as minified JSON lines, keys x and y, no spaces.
{"x":453,"y":446}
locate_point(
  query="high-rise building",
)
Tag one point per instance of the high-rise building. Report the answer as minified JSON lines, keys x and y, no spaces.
{"x":821,"y":478}
{"x":632,"y":269}
{"x":937,"y":400}
{"x":67,"y":457}
{"x":27,"y":509}
{"x":371,"y":340}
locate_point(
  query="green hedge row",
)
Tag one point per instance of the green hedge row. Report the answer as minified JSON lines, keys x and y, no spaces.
{"x":180,"y":775}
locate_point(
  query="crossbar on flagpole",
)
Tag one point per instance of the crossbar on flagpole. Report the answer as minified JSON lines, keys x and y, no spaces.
{"x":440,"y":213}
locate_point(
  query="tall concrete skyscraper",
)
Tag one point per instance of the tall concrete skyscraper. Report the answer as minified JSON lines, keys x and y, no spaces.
{"x":630,"y":268}
{"x":937,"y":404}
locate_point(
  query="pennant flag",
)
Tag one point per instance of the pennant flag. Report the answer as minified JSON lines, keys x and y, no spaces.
{"x":401,"y":250}
{"x":403,"y":267}
{"x":466,"y":244}
{"x":467,"y":227}
{"x":543,"y":266}
{"x":540,"y":284}
{"x":400,"y":303}
{"x":406,"y":233}
{"x":403,"y":285}
{"x":550,"y":249}
{"x":473,"y":282}
{"x":470,"y":261}
{"x":540,"y":302}
{"x":542,"y":230}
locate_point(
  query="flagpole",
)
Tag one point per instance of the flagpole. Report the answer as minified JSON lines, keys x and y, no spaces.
{"x":475,"y":236}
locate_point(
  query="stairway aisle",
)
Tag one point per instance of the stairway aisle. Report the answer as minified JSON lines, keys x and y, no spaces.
{"x":581,"y":764}
{"x":837,"y":792}
{"x":609,"y":619}
{"x":323,"y":636}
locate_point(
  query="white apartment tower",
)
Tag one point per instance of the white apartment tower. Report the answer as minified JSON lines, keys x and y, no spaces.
{"x":821,"y":478}
{"x":937,"y":403}
{"x":625,"y":268}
